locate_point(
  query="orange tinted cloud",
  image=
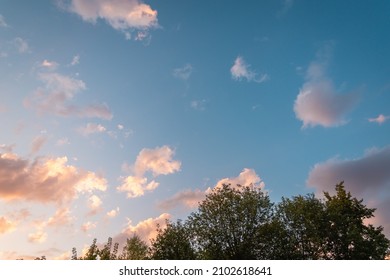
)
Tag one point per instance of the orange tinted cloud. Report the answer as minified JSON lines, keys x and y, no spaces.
{"x":44,"y":179}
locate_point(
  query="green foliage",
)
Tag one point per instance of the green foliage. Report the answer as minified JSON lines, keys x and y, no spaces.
{"x":228,"y":223}
{"x":135,"y":249}
{"x":241,"y":223}
{"x":172,"y":243}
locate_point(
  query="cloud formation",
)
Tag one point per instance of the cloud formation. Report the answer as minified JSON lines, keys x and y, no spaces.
{"x":113,"y":213}
{"x":318,"y":103}
{"x":123,"y":15}
{"x":241,"y":70}
{"x":380,"y":119}
{"x":45,"y":180}
{"x":2,"y":22}
{"x":21,"y":45}
{"x":158,"y":161}
{"x":6,"y":225}
{"x":92,"y":128}
{"x":367,"y":177}
{"x":38,"y":143}
{"x":94,"y":205}
{"x":37,"y":237}
{"x":51,"y":65}
{"x":190,"y":198}
{"x":183,"y":73}
{"x":56,"y":95}
{"x":145,"y":229}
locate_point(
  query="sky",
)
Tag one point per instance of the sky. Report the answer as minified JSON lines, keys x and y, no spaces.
{"x":116,"y":115}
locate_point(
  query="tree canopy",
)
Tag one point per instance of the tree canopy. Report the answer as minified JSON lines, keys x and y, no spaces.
{"x":240,"y":222}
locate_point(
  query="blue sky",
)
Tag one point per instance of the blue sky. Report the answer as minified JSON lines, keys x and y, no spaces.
{"x":118,"y":114}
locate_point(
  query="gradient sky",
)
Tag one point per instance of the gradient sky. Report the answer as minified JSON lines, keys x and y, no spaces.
{"x":117,"y":114}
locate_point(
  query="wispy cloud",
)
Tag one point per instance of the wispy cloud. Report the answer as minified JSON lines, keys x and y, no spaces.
{"x":126,"y":16}
{"x":21,"y":45}
{"x":241,"y":70}
{"x":183,"y":73}
{"x":198,"y":104}
{"x":158,"y":161}
{"x":56,"y":95}
{"x":87,"y":226}
{"x":92,"y":128}
{"x":75,"y":60}
{"x":38,"y":143}
{"x":3,"y":23}
{"x":286,"y":6}
{"x":380,"y":119}
{"x":37,"y":237}
{"x":318,"y":103}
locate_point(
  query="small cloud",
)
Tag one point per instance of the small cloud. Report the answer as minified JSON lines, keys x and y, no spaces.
{"x":2,"y":22}
{"x":183,"y":73}
{"x":62,"y":142}
{"x":38,"y":143}
{"x":126,"y":16}
{"x":380,"y":119}
{"x":120,"y":127}
{"x":87,"y":226}
{"x":241,"y":70}
{"x":92,"y":128}
{"x":75,"y":60}
{"x":94,"y":205}
{"x":318,"y":103}
{"x":136,"y":186}
{"x":113,"y":213}
{"x":60,"y":218}
{"x":287,"y":5}
{"x":21,"y":45}
{"x":51,"y":65}
{"x":37,"y":237}
{"x":198,"y":104}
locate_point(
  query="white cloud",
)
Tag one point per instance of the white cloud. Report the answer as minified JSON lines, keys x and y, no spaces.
{"x":62,"y":142}
{"x":113,"y":213}
{"x":159,"y":161}
{"x":56,"y":96}
{"x":94,"y":204}
{"x":380,"y":119}
{"x":75,"y":60}
{"x":21,"y":45}
{"x":92,"y":128}
{"x":123,"y":15}
{"x":318,"y":103}
{"x":241,"y":70}
{"x":245,"y":178}
{"x":136,"y":186}
{"x":198,"y":104}
{"x":44,"y":180}
{"x":183,"y":73}
{"x":2,"y":22}
{"x":51,"y":65}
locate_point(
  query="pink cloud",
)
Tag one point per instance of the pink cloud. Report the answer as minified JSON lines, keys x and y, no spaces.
{"x":318,"y":103}
{"x":380,"y":119}
{"x":241,"y":70}
{"x":44,"y":180}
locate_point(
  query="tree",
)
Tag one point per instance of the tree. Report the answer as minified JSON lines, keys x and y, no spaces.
{"x":348,"y":237}
{"x":172,"y":243}
{"x":228,"y":223}
{"x":135,"y":249}
{"x":92,"y":252}
{"x":106,"y":254}
{"x":303,"y":223}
